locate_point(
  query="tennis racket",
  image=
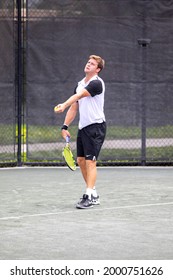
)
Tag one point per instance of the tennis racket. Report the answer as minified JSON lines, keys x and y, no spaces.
{"x":68,"y":156}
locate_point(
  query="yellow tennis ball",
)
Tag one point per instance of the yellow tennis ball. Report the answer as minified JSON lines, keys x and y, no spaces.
{"x":56,"y":109}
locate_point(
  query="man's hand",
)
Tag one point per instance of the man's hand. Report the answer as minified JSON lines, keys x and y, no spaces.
{"x":65,"y":133}
{"x":59,"y":108}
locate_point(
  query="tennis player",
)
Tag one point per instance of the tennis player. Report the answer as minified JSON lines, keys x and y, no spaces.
{"x":89,"y":100}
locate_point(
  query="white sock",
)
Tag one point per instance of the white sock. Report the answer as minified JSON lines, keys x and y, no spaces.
{"x":89,"y":192}
{"x":94,"y":192}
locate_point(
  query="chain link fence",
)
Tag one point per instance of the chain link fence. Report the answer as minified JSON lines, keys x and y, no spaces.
{"x":7,"y":82}
{"x":134,"y":38}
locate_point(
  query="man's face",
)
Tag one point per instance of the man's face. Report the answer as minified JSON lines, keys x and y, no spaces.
{"x":91,"y":67}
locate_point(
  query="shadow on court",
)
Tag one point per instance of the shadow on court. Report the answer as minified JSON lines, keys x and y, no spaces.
{"x":38,"y":218}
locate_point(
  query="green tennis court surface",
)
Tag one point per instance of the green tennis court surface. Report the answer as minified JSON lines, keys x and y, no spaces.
{"x":38,"y":218}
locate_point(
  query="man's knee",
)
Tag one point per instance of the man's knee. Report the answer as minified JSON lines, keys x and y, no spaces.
{"x":80,"y":160}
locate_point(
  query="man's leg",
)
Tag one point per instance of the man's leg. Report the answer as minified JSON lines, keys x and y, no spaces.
{"x":89,"y":171}
{"x":82,"y":164}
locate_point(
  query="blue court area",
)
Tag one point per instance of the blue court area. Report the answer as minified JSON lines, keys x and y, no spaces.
{"x":39,"y":221}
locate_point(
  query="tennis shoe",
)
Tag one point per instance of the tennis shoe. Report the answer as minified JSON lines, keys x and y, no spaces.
{"x":84,"y":203}
{"x":95,"y":200}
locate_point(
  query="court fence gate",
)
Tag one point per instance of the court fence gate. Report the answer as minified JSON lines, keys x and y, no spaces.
{"x":44,"y":47}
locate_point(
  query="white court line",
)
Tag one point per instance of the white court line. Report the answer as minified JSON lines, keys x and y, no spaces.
{"x":78,"y":210}
{"x":99,"y":167}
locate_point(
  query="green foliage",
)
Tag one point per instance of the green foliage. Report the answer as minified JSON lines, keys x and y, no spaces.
{"x":116,"y":132}
{"x":52,"y":134}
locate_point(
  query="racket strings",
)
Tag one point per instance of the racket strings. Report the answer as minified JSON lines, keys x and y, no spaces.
{"x":68,"y":156}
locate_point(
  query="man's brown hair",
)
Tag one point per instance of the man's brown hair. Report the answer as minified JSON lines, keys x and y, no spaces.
{"x":100,"y":61}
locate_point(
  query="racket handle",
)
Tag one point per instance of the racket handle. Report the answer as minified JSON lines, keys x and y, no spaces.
{"x":67,"y":139}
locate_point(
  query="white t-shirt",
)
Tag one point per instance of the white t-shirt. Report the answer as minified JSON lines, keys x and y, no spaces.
{"x":91,"y":108}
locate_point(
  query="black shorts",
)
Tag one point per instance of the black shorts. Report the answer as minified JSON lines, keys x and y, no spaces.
{"x":90,"y":140}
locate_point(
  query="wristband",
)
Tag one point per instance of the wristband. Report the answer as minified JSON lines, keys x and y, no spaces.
{"x":65,"y":127}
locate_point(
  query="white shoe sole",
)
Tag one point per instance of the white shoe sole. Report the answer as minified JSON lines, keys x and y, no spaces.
{"x":97,"y":202}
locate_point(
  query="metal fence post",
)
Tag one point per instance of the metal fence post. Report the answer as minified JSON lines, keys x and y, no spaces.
{"x":143,"y":43}
{"x":19,"y":83}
